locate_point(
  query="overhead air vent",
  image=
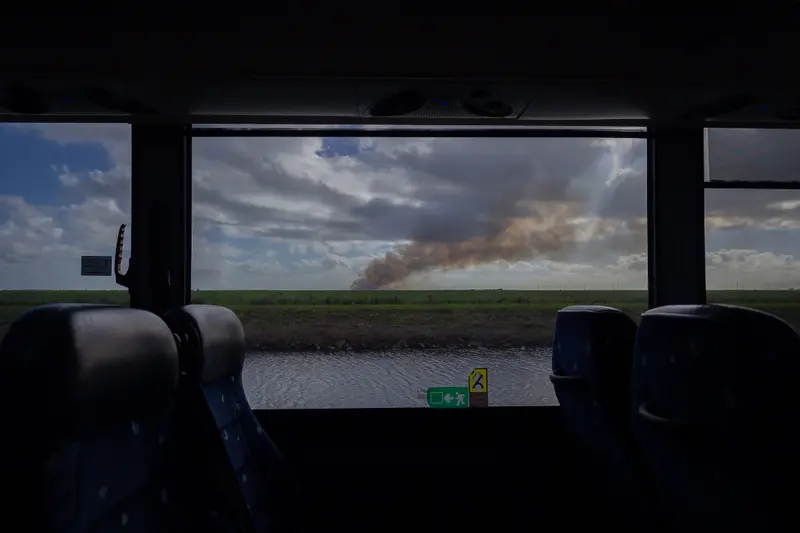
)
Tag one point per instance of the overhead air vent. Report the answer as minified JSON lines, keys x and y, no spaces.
{"x":24,"y":100}
{"x":59,"y":99}
{"x":106,"y":99}
{"x":443,"y":104}
{"x":483,"y":104}
{"x":788,"y":110}
{"x":765,"y":108}
{"x":721,"y":107}
{"x":398,"y":104}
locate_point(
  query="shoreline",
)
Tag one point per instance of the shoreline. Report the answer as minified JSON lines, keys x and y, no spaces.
{"x":343,"y":345}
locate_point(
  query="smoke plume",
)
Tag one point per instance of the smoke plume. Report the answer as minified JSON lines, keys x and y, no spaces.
{"x":545,"y":230}
{"x":546,"y":198}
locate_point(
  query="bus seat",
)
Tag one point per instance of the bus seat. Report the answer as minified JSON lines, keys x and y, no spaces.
{"x":591,"y":366}
{"x":253,"y":476}
{"x":86,"y":394}
{"x":714,"y":409}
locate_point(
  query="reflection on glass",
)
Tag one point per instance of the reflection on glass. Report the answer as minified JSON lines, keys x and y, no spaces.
{"x":752,"y":155}
{"x":366,"y":270}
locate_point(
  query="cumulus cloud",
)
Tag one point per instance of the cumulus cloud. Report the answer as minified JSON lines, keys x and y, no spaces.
{"x":421,"y":213}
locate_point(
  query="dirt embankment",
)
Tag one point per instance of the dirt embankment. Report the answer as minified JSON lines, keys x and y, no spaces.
{"x":475,"y":328}
{"x":413,"y":330}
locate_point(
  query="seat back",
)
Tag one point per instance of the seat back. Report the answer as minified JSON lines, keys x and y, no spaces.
{"x":714,"y":411}
{"x":592,"y":356}
{"x":252,"y":474}
{"x":86,"y":394}
{"x":593,"y":352}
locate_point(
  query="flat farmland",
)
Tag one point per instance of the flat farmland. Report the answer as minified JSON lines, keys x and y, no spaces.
{"x":374,"y":320}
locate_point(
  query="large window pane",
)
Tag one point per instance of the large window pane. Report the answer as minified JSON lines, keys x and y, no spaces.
{"x":753,"y":155}
{"x":64,"y":191}
{"x":460,"y":252}
{"x":752,"y":250}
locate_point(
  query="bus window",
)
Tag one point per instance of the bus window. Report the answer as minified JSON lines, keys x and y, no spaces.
{"x":65,"y":189}
{"x":369,"y":271}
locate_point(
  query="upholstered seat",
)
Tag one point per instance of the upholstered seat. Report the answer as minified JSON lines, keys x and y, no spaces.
{"x":714,"y":411}
{"x":87,"y":395}
{"x":592,"y":357}
{"x":254,"y":477}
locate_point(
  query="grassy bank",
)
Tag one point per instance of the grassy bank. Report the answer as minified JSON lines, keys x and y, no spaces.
{"x":311,"y":320}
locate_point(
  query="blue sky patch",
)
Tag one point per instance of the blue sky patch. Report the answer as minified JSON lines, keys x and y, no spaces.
{"x":27,"y":161}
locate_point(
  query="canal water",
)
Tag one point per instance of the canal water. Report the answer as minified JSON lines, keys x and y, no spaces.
{"x":397,"y":378}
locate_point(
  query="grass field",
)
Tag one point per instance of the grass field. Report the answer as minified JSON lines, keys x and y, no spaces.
{"x":309,"y":320}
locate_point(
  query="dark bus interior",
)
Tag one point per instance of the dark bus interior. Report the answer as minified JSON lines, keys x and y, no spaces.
{"x":662,"y":78}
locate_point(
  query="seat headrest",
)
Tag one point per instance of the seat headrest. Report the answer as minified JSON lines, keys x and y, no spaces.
{"x":211,"y":339}
{"x":714,"y":363}
{"x":600,"y":326}
{"x":595,"y":343}
{"x":737,"y":327}
{"x":595,"y":309}
{"x":76,"y":368}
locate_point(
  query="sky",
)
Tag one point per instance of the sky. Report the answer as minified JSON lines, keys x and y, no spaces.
{"x":322,"y":213}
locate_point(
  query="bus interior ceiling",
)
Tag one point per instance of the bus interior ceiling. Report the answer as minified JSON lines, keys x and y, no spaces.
{"x":663,"y":78}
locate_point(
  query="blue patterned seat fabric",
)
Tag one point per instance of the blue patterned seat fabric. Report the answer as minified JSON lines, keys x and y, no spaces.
{"x":90,"y":391}
{"x":714,"y":413}
{"x":592,"y":358}
{"x":253,"y":476}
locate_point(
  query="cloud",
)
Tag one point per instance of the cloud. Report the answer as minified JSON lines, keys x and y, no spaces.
{"x":316,"y":213}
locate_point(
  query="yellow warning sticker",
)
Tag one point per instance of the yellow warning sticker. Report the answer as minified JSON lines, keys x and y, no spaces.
{"x":479,"y":381}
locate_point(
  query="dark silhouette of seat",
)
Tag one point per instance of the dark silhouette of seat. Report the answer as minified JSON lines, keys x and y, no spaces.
{"x":592,"y":357}
{"x":715,"y":411}
{"x":87,"y":397}
{"x":254,"y":479}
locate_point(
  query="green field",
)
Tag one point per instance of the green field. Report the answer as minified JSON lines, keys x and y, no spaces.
{"x":303,"y":320}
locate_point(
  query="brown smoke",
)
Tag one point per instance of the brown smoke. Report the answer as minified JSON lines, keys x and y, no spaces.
{"x":545,"y":230}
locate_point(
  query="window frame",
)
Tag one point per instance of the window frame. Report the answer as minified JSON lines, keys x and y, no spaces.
{"x":752,"y":185}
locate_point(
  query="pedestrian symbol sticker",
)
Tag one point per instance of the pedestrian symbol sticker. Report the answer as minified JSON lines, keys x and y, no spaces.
{"x":478,"y":381}
{"x":459,"y":399}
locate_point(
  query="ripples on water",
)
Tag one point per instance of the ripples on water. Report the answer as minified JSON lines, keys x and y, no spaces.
{"x":343,"y":380}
